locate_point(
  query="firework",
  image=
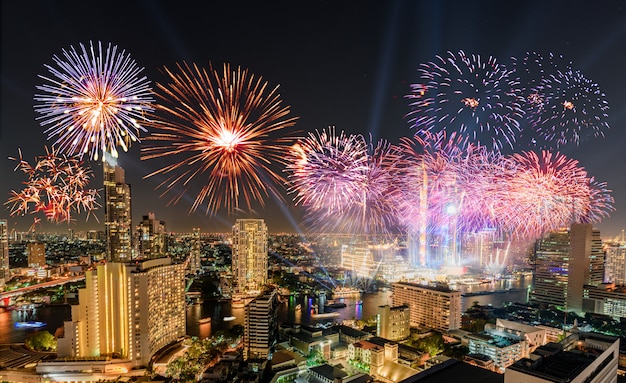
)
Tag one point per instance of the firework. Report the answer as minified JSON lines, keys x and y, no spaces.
{"x":327,"y":170}
{"x":93,"y":101}
{"x":466,"y":94}
{"x":561,"y":105}
{"x":549,"y":191}
{"x":218,"y":126}
{"x":574,"y":109}
{"x":56,"y":187}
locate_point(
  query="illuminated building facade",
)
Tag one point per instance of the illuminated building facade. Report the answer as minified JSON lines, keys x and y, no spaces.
{"x":359,"y":260}
{"x":434,"y":307}
{"x":151,"y":237}
{"x":4,"y":253}
{"x":565,"y":261}
{"x":193,"y":265}
{"x":117,"y":213}
{"x":36,"y":253}
{"x":615,"y":264}
{"x":127,"y":310}
{"x":249,"y":258}
{"x":393,"y":323}
{"x":261,"y":326}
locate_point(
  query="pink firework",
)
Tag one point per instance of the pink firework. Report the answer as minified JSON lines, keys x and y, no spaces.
{"x":56,"y":187}
{"x":549,"y":191}
{"x":217,"y":128}
{"x":327,"y":170}
{"x":93,"y":101}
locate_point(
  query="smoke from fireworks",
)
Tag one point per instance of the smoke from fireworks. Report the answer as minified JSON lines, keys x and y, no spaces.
{"x":56,"y":187}
{"x":467,"y":94}
{"x":218,"y":126}
{"x":93,"y":101}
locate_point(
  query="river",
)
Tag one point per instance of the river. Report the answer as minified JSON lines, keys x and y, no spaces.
{"x":54,"y":316}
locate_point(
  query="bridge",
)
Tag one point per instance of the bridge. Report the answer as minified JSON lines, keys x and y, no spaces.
{"x":7,"y":295}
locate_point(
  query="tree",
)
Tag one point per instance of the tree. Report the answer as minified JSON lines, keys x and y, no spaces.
{"x":41,"y":341}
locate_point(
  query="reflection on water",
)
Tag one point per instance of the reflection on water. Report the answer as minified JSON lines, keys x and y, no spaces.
{"x":53,"y":316}
{"x":287,"y":311}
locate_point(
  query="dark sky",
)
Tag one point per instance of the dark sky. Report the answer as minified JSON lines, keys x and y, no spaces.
{"x":342,"y":63}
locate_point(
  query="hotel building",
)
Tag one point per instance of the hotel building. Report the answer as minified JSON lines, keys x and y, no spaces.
{"x":434,"y":307}
{"x":127,"y":311}
{"x":249,"y":259}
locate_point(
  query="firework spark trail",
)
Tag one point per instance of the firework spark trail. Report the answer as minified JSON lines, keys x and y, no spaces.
{"x":468,"y":95}
{"x":326,"y":171}
{"x":93,"y":101}
{"x":562,"y":105}
{"x":449,"y":182}
{"x":56,"y":187}
{"x":218,"y":126}
{"x":548,"y":191}
{"x":574,"y":109}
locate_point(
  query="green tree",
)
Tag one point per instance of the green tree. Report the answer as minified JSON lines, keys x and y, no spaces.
{"x":41,"y":341}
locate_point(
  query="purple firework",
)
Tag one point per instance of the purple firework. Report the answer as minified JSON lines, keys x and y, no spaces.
{"x":93,"y":101}
{"x":466,"y":94}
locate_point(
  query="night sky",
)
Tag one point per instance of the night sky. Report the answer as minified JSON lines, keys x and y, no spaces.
{"x":348,"y":64}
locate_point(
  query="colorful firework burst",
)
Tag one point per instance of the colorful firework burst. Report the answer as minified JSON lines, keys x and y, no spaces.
{"x":466,"y":94}
{"x":93,"y":101}
{"x":548,"y":191}
{"x":218,"y":126}
{"x":56,"y":187}
{"x":574,"y":109}
{"x":327,"y":170}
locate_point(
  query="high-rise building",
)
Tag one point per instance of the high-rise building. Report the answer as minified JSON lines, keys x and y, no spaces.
{"x":128,"y":310}
{"x":615,"y":264}
{"x":393,"y":323}
{"x":261,"y":325}
{"x":36,"y":253}
{"x":565,"y":261}
{"x":249,"y":258}
{"x":4,"y":252}
{"x":193,"y":265}
{"x":117,"y":212}
{"x":151,"y":237}
{"x":434,"y":307}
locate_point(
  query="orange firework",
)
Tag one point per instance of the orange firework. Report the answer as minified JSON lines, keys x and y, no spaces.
{"x":218,"y":126}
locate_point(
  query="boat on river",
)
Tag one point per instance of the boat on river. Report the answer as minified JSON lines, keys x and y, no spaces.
{"x":228,"y":319}
{"x":204,"y":320}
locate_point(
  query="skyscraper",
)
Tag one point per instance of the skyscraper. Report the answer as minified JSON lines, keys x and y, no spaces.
{"x":151,"y":237}
{"x":4,"y":252}
{"x":249,"y":259}
{"x":193,"y":265}
{"x":261,"y":325}
{"x":127,"y":309}
{"x":565,"y":261}
{"x":117,"y":212}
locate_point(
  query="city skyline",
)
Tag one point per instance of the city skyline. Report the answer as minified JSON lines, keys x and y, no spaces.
{"x":342,"y":65}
